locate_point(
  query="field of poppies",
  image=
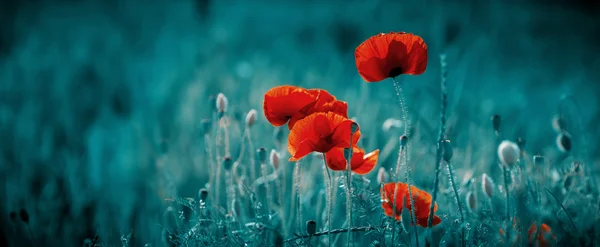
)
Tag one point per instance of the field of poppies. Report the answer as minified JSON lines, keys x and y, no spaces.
{"x":299,"y":123}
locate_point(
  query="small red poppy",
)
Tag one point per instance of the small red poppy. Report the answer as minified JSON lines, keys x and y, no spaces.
{"x":544,"y":234}
{"x":390,"y":55}
{"x":421,"y":198}
{"x":290,"y":103}
{"x":361,"y":163}
{"x":320,"y":132}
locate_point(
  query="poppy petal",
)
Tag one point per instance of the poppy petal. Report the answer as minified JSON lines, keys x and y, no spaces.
{"x":282,"y":102}
{"x":367,"y":162}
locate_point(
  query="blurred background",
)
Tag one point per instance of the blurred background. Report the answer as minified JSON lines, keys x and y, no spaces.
{"x":101,"y":102}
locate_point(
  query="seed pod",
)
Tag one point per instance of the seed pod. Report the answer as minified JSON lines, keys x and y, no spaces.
{"x":222,"y":103}
{"x":403,"y":140}
{"x":227,"y":163}
{"x":250,"y":118}
{"x":496,"y":121}
{"x":311,"y":227}
{"x":448,"y":152}
{"x":563,"y":141}
{"x":203,"y":194}
{"x":509,"y":153}
{"x":487,"y":185}
{"x":274,"y":159}
{"x":206,"y":126}
{"x":382,"y":176}
{"x":262,"y":155}
{"x":471,"y":201}
{"x":24,"y":215}
{"x":538,"y":160}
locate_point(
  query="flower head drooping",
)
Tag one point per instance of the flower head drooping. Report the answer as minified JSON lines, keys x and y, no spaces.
{"x":388,"y":55}
{"x":422,"y":202}
{"x":250,"y":118}
{"x":509,"y":153}
{"x":320,"y":132}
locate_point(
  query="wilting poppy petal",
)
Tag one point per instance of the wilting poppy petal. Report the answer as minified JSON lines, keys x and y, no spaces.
{"x":389,"y":55}
{"x":421,"y":198}
{"x":320,"y":132}
{"x":361,"y":163}
{"x":283,"y":102}
{"x":543,"y":235}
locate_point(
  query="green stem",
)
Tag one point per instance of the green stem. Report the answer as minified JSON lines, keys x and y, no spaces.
{"x":329,"y":200}
{"x":460,"y":210}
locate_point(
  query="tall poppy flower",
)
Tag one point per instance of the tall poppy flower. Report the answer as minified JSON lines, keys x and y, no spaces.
{"x":390,"y":55}
{"x":361,"y":163}
{"x":421,"y":198}
{"x":285,"y":104}
{"x":320,"y":132}
{"x":543,"y":235}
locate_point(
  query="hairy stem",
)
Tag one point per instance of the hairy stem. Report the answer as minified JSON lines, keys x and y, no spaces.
{"x":508,"y":228}
{"x":438,"y":151}
{"x":263,"y":168}
{"x":329,"y":200}
{"x":348,"y":154}
{"x":460,"y":210}
{"x":297,"y":189}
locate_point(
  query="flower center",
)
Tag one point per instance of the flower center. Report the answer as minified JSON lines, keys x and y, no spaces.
{"x":395,"y":72}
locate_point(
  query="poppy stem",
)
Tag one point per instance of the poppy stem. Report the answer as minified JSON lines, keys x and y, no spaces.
{"x":348,"y":154}
{"x":460,"y":210}
{"x":508,"y":228}
{"x":298,"y":201}
{"x":438,"y":151}
{"x":329,"y":200}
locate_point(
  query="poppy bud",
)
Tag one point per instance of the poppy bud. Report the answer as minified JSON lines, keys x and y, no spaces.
{"x":274,"y":159}
{"x":222,"y":103}
{"x":382,"y":176}
{"x":262,"y":155}
{"x":24,"y":215}
{"x":203,"y":194}
{"x":206,"y":126}
{"x":471,"y":201}
{"x":403,"y":140}
{"x":496,"y":121}
{"x":563,"y":141}
{"x":538,"y":160}
{"x":227,"y":163}
{"x":13,"y":215}
{"x":487,"y":185}
{"x":521,"y":143}
{"x":250,"y":118}
{"x":354,"y":127}
{"x":509,"y":153}
{"x":311,"y":227}
{"x":448,"y":152}
{"x":558,"y":123}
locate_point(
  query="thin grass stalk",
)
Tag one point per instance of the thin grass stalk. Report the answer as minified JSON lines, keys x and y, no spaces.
{"x":211,"y":164}
{"x":397,"y":179}
{"x":460,"y":210}
{"x":413,"y":217}
{"x":218,"y":145}
{"x":263,"y":168}
{"x":438,"y":151}
{"x":329,"y":200}
{"x":252,"y":160}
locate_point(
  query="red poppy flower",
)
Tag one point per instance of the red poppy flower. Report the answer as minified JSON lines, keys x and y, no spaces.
{"x":389,"y":55}
{"x":324,"y":102}
{"x":320,"y":132}
{"x":290,"y":103}
{"x":543,"y":235}
{"x":421,"y":198}
{"x":361,"y":163}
